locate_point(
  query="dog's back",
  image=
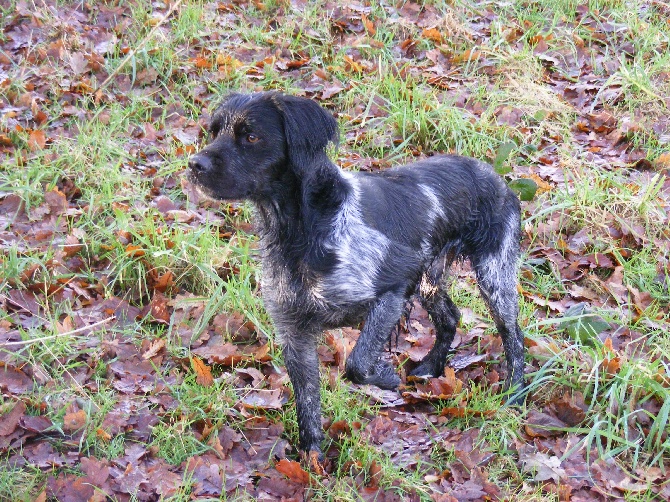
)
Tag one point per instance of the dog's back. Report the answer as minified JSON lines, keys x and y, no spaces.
{"x":403,"y":219}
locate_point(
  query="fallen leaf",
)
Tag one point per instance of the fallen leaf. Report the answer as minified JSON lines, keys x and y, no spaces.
{"x":448,"y":411}
{"x":154,"y":348}
{"x":159,"y":308}
{"x":56,"y":200}
{"x":14,"y":381}
{"x":369,"y":25}
{"x":543,"y":466}
{"x":375,"y":474}
{"x":432,"y":34}
{"x":74,"y":421}
{"x":37,"y":140}
{"x":202,"y":371}
{"x":9,"y":420}
{"x":570,"y":409}
{"x":134,"y":251}
{"x":540,"y":424}
{"x":293,"y":471}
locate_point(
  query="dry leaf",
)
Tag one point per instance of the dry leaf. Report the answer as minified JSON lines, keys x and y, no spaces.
{"x":134,"y":251}
{"x":432,"y":34}
{"x":154,"y":348}
{"x":369,"y":25}
{"x":202,"y":371}
{"x":37,"y":140}
{"x":74,"y":421}
{"x":103,"y":435}
{"x":293,"y":471}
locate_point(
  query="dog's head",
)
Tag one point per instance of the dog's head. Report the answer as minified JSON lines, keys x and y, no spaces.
{"x":257,"y":140}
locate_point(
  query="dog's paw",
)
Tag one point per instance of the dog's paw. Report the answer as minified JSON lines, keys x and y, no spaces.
{"x":427,"y":369}
{"x":384,"y":376}
{"x":381,"y":375}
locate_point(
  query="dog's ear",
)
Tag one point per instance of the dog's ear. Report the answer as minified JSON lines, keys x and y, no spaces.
{"x":308,"y":128}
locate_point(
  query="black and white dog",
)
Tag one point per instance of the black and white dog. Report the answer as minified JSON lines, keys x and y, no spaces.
{"x":341,"y":247}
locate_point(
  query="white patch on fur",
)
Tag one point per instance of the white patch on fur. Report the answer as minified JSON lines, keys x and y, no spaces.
{"x":500,"y":268}
{"x":360,"y":250}
{"x":435,"y":211}
{"x":426,"y":288}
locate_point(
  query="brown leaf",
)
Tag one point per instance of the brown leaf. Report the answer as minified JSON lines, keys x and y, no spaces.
{"x":466,"y":56}
{"x":201,"y":62}
{"x":315,"y":464}
{"x":293,"y":471}
{"x":662,"y":162}
{"x":72,"y":246}
{"x":369,"y":25}
{"x":162,"y":282}
{"x":9,"y":420}
{"x":37,"y":140}
{"x":544,"y":466}
{"x":202,"y":371}
{"x":540,"y":424}
{"x":103,"y":435}
{"x":339,"y":429}
{"x":352,"y":66}
{"x":134,"y":251}
{"x":265,"y":399}
{"x":432,"y":34}
{"x":465,"y":412}
{"x":375,"y":474}
{"x":74,"y":421}
{"x":35,"y":423}
{"x":57,"y":201}
{"x":5,"y":140}
{"x":14,"y":381}
{"x":159,"y":308}
{"x":155,"y":347}
{"x":570,"y":409}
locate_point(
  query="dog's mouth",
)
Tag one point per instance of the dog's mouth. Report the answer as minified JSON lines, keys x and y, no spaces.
{"x":205,"y":193}
{"x":202,"y":192}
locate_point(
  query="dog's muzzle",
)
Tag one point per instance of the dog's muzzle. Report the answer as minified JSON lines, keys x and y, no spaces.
{"x":200,"y":164}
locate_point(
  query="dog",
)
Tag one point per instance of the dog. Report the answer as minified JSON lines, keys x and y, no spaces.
{"x":340,"y":247}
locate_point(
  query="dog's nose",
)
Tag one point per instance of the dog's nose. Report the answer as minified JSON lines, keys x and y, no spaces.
{"x":200,"y":163}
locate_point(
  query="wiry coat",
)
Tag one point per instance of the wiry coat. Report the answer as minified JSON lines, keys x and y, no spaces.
{"x":341,"y":247}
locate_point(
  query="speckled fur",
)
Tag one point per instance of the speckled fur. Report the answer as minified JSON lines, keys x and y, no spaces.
{"x":338,"y":248}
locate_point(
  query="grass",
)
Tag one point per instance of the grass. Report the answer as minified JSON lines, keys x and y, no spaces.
{"x":389,"y":112}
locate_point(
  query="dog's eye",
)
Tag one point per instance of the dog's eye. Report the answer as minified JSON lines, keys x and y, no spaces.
{"x":252,"y":138}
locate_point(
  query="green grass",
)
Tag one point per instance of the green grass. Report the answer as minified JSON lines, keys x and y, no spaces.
{"x":389,"y":112}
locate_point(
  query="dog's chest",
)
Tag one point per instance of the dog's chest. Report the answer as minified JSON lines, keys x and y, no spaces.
{"x":298,"y":296}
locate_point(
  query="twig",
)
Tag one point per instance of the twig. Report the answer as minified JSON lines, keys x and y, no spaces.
{"x":132,"y":53}
{"x":68,"y":333}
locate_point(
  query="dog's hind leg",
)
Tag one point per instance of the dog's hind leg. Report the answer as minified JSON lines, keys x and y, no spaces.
{"x":364,"y":364}
{"x":302,"y":364}
{"x":445,"y":316}
{"x":497,"y":279}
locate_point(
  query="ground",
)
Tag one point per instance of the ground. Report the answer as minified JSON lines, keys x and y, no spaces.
{"x":136,"y":359}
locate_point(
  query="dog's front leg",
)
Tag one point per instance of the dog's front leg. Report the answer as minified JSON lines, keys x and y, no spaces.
{"x":302,"y":363}
{"x":364,"y":365}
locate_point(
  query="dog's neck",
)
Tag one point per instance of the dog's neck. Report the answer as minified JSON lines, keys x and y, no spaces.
{"x":298,"y":214}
